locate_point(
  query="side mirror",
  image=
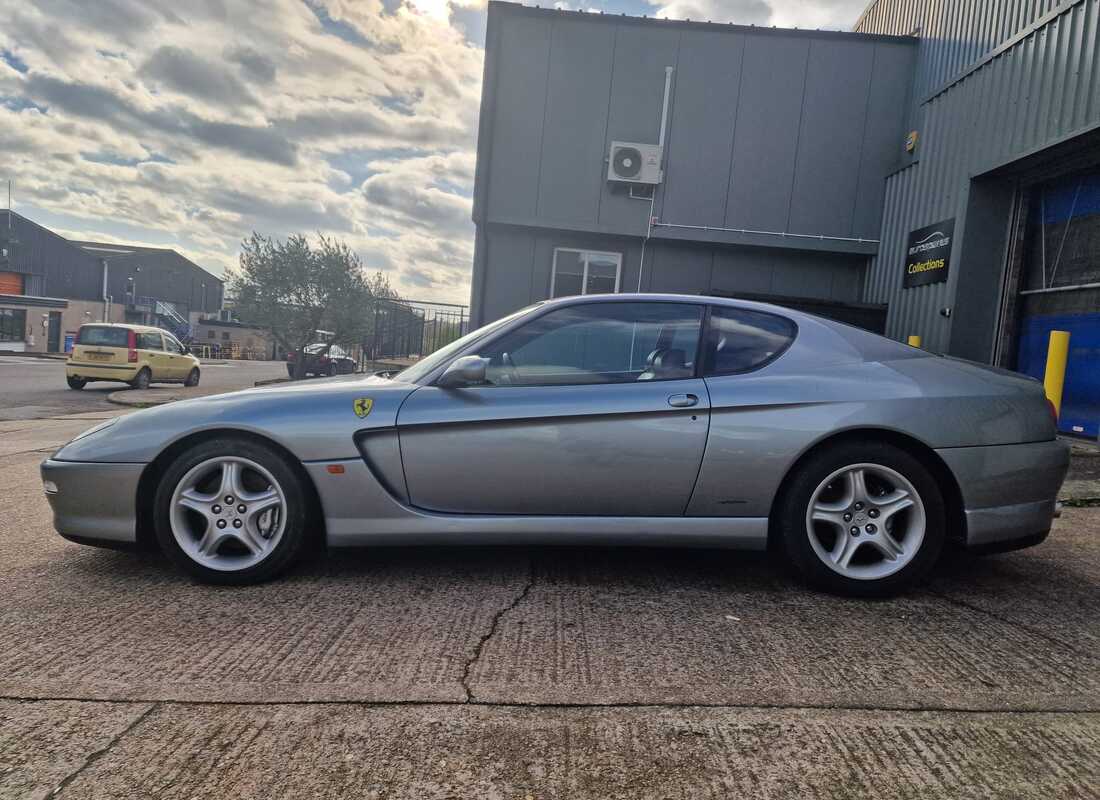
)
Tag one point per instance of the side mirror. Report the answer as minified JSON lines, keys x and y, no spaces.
{"x":463,"y":372}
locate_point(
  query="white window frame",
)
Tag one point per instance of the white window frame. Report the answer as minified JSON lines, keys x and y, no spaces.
{"x":585,"y":254}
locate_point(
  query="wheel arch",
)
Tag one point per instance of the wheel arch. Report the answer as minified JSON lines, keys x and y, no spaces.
{"x":945,"y":479}
{"x":151,"y":475}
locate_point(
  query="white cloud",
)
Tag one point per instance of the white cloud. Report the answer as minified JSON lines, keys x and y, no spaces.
{"x":343,"y":118}
{"x":832,"y":14}
{"x":197,"y":123}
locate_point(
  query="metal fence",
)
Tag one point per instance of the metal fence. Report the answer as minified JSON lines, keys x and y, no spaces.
{"x":402,"y":331}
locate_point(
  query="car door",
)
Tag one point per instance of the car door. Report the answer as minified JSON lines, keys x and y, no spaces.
{"x":588,"y":409}
{"x":151,"y":350}
{"x":178,"y":365}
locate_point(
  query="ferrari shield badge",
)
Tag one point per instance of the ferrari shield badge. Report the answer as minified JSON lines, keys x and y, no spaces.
{"x":362,"y":406}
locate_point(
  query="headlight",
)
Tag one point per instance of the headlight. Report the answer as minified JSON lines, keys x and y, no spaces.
{"x":97,"y":428}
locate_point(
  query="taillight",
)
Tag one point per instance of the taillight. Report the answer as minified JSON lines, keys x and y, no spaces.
{"x":290,"y":356}
{"x":324,"y":359}
{"x":131,"y":343}
{"x":1053,"y":410}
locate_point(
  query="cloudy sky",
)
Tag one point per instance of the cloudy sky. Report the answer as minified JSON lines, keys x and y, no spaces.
{"x":189,"y":125}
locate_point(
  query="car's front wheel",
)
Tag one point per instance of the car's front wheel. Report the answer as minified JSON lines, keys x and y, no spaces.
{"x":862,"y":518}
{"x":232,"y":511}
{"x":192,"y":377}
{"x":76,"y":383}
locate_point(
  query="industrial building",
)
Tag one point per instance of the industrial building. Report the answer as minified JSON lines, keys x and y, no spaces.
{"x":935,"y":172}
{"x":50,"y":286}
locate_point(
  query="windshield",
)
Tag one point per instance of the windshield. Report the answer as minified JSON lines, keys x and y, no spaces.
{"x":429,"y":362}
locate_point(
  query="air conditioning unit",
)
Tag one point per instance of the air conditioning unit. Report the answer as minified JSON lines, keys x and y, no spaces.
{"x":630,"y":162}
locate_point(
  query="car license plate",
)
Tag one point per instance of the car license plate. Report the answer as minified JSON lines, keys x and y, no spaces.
{"x":99,"y":356}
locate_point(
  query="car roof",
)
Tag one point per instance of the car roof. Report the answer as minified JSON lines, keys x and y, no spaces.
{"x":871,"y":345}
{"x":698,"y":299}
{"x":128,"y":326}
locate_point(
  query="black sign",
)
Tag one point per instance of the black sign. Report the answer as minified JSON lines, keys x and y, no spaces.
{"x":928,"y":254}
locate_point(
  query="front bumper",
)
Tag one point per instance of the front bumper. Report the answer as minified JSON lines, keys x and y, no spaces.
{"x":101,"y":372}
{"x":94,"y":502}
{"x":1009,"y":492}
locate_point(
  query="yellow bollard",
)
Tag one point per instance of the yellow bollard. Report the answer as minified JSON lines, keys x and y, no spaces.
{"x":1055,"y":376}
{"x":914,"y":341}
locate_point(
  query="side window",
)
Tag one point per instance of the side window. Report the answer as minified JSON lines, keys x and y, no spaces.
{"x":598,"y":343}
{"x":739,"y":340}
{"x":149,"y":341}
{"x":171,"y":345}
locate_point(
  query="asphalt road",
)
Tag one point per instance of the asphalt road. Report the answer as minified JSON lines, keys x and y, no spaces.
{"x":34,"y":388}
{"x":537,"y":672}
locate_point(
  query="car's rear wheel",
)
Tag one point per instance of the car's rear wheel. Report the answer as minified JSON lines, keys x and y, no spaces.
{"x":76,"y":383}
{"x":862,"y":518}
{"x":232,"y":511}
{"x":192,"y":377}
{"x":142,"y":379}
{"x":290,"y":370}
{"x":333,"y":369}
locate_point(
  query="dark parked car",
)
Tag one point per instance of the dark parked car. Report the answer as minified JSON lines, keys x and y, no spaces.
{"x":319,"y":361}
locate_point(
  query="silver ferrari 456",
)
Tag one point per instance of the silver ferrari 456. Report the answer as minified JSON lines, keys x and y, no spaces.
{"x":635,"y":419}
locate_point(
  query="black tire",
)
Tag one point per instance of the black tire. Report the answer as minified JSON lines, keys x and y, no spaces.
{"x":192,"y":377}
{"x":793,"y":503}
{"x":295,"y":536}
{"x":142,"y":379}
{"x":76,"y":383}
{"x":333,"y":369}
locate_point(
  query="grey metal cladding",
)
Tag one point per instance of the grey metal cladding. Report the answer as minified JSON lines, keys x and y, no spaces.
{"x":703,"y":115}
{"x":565,"y":85}
{"x":747,"y":270}
{"x":680,"y":268}
{"x":834,"y":112}
{"x":510,"y":252}
{"x":1042,"y":89}
{"x":765,"y":142}
{"x":954,"y":34}
{"x":634,"y":113}
{"x":884,"y":135}
{"x":570,"y":177}
{"x":524,"y":44}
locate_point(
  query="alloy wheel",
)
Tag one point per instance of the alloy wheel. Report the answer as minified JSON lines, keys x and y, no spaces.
{"x":866,"y":521}
{"x":228,"y":513}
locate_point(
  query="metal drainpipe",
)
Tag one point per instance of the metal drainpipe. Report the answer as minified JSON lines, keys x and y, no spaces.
{"x":653,"y":197}
{"x":106,"y":307}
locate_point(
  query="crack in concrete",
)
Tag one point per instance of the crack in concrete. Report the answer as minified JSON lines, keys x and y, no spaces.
{"x":1014,"y":623}
{"x":95,"y":755}
{"x":480,"y":647}
{"x":992,"y":708}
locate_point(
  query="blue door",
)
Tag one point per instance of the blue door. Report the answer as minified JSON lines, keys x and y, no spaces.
{"x":1061,"y":291}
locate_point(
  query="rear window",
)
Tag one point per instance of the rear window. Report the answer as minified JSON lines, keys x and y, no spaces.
{"x":739,"y":340}
{"x":103,"y":336}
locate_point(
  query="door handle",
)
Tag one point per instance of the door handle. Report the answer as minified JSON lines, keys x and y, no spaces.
{"x":682,"y":400}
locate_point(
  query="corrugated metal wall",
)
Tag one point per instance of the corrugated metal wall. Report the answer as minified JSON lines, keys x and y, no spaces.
{"x":954,"y":33}
{"x":1044,"y":88}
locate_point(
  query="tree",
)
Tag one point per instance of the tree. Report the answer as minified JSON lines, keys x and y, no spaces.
{"x":295,"y":290}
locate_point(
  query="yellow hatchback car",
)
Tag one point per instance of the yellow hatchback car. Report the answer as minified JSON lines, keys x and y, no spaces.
{"x":133,"y":354}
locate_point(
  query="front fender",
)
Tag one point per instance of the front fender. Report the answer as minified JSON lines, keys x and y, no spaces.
{"x":314,"y":421}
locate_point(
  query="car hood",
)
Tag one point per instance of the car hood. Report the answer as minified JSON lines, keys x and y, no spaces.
{"x":314,"y":420}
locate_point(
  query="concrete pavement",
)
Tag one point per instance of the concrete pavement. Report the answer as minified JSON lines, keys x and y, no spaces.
{"x":541,"y":672}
